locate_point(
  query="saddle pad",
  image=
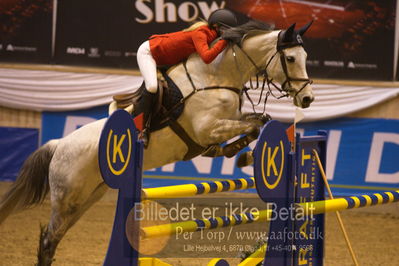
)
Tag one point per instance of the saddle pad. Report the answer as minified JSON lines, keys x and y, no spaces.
{"x":171,"y":98}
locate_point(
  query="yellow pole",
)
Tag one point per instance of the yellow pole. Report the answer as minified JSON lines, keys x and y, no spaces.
{"x":255,"y":258}
{"x":323,"y":206}
{"x":189,"y":190}
{"x":341,"y":224}
{"x":192,"y":226}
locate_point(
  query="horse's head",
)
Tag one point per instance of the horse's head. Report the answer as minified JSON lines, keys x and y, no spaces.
{"x":279,"y":56}
{"x":288,"y":66}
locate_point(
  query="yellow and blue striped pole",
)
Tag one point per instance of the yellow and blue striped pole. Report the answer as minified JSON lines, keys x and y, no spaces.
{"x":180,"y":191}
{"x":353,"y":202}
{"x":255,"y":258}
{"x":202,"y":224}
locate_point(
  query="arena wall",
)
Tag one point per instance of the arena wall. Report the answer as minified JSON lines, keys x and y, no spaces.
{"x":19,"y":118}
{"x":388,"y":109}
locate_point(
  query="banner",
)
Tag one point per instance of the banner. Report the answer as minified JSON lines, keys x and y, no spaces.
{"x":101,"y":33}
{"x":16,"y":144}
{"x":361,"y":157}
{"x":26,"y":30}
{"x":349,"y":39}
{"x":396,"y":58}
{"x":57,"y":125}
{"x":361,"y":153}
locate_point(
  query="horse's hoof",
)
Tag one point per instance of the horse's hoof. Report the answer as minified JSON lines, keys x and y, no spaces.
{"x":245,"y":159}
{"x":265,"y":118}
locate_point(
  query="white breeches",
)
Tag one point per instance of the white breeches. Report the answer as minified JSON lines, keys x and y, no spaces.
{"x":148,"y":67}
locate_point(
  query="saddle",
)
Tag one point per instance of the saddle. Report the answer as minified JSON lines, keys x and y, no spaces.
{"x":168,"y":106}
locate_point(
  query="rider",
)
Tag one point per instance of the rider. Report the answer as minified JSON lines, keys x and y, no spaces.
{"x":173,"y":48}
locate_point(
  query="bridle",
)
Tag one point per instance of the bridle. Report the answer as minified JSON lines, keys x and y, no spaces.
{"x":286,"y":87}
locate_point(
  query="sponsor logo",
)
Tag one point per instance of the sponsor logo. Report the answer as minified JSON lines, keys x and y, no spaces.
{"x":162,"y":11}
{"x":113,"y":53}
{"x":117,"y":160}
{"x":130,"y":54}
{"x":299,"y":39}
{"x":13,"y":48}
{"x":273,"y":164}
{"x":313,"y":63}
{"x":75,"y":50}
{"x":357,"y":65}
{"x":334,"y":63}
{"x":351,"y":65}
{"x":93,"y":52}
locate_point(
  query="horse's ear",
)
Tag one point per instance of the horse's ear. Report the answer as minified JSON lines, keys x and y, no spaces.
{"x":289,"y":34}
{"x":302,"y":30}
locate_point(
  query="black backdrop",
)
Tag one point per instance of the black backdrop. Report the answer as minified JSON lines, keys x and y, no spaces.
{"x":25,"y":30}
{"x":108,"y":33}
{"x":350,"y":39}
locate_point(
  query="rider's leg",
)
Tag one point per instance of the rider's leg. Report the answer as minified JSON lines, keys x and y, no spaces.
{"x":148,"y":69}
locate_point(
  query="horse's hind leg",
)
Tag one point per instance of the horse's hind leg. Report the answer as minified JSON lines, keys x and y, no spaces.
{"x":63,"y":216}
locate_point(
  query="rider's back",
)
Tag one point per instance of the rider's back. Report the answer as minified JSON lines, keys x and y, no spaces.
{"x":172,"y":48}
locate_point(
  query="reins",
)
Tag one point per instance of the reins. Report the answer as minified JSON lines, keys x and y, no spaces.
{"x":195,"y":89}
{"x":269,"y":81}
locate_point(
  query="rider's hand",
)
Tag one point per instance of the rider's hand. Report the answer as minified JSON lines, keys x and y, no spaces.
{"x":231,"y":37}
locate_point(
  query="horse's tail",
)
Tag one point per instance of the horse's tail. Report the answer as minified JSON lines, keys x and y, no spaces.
{"x":32,"y":183}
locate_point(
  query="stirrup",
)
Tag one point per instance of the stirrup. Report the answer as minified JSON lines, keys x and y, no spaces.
{"x":145,"y":137}
{"x":145,"y":134}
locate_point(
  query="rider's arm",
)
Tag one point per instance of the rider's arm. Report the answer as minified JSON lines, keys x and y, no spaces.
{"x":201,"y":45}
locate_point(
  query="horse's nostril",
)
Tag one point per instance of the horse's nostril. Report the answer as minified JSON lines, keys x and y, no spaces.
{"x":307,"y":100}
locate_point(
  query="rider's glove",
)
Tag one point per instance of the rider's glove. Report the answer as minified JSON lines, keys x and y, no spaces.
{"x":231,"y":37}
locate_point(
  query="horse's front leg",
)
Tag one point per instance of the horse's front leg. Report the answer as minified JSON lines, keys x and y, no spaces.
{"x":225,"y":129}
{"x":257,"y":118}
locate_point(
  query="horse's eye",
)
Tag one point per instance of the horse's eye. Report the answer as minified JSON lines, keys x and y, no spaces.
{"x":290,"y":59}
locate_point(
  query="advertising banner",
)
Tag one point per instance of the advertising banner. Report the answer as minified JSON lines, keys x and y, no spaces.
{"x":16,"y":144}
{"x":101,"y":33}
{"x":57,"y":125}
{"x":26,"y":30}
{"x":361,"y":157}
{"x":361,"y":153}
{"x":349,"y":39}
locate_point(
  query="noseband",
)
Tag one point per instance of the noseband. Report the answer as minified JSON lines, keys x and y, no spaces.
{"x":286,"y":86}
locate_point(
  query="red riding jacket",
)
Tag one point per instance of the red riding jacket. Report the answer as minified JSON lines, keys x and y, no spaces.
{"x":173,"y":48}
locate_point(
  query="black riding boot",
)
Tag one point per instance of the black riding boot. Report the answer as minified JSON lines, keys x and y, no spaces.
{"x":145,"y":106}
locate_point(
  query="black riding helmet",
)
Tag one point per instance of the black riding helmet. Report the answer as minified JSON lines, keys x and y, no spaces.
{"x":222,"y":17}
